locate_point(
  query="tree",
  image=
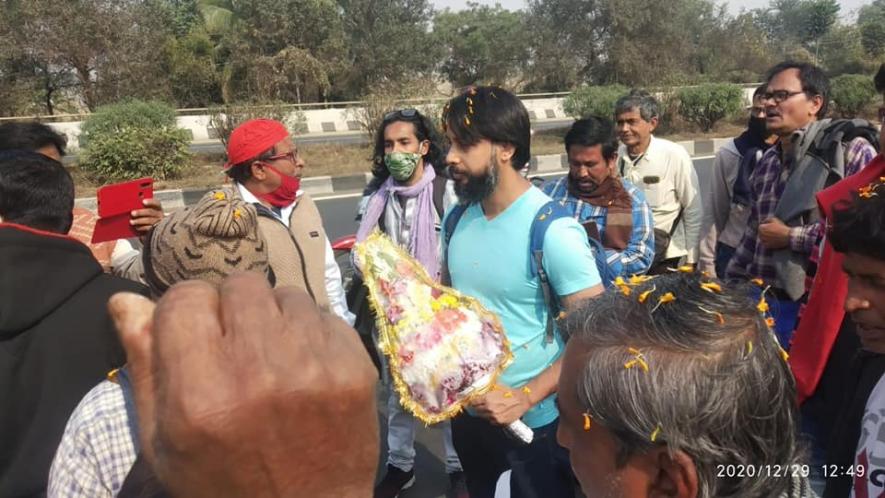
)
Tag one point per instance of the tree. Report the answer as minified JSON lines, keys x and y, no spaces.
{"x":657,"y":43}
{"x":82,"y":40}
{"x":851,"y":94}
{"x":842,"y":52}
{"x":484,"y":45}
{"x":798,"y":23}
{"x":871,"y":22}
{"x":190,"y":66}
{"x":272,"y":34}
{"x":386,"y":41}
{"x":568,"y":43}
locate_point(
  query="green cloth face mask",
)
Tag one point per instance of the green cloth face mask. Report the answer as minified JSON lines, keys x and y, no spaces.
{"x":401,"y":165}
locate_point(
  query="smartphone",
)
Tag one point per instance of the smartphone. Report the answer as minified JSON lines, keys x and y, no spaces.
{"x":591,"y":229}
{"x":115,"y":205}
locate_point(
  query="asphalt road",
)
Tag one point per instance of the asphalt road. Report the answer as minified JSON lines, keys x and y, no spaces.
{"x":431,"y":481}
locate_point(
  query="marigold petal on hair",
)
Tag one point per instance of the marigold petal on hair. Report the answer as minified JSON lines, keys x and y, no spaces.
{"x":770,"y":322}
{"x":644,"y":296}
{"x":219,"y":196}
{"x":655,"y":433}
{"x":711,"y":287}
{"x":758,"y":281}
{"x":763,"y":305}
{"x":685,"y":269}
{"x":639,"y":279}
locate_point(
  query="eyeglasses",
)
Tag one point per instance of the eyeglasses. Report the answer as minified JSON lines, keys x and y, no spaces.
{"x":406,"y":113}
{"x":291,"y":155}
{"x":779,"y":96}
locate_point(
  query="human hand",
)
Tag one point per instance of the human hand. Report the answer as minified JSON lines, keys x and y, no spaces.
{"x":145,"y":219}
{"x":774,"y":234}
{"x":245,"y":391}
{"x":502,"y":405}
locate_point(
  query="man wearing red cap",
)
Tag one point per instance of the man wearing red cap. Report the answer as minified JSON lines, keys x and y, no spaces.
{"x":264,"y":164}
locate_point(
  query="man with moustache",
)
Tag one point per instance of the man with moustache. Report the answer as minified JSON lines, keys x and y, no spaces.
{"x":783,"y":226}
{"x":487,"y":258}
{"x":611,"y":209}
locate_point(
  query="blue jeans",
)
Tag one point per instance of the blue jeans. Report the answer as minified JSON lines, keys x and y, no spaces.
{"x":401,"y":431}
{"x":724,"y":254}
{"x":538,"y":470}
{"x":401,"y":437}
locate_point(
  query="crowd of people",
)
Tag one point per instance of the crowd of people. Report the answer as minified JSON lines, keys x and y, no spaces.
{"x":667,"y":340}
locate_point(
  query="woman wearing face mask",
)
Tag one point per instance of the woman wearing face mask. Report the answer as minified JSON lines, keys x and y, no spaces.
{"x":412,"y":195}
{"x":727,"y":201}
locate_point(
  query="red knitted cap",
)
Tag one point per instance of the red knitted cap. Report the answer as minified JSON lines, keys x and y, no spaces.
{"x":252,"y":138}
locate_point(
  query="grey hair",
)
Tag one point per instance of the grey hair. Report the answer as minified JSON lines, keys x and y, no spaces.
{"x":719,"y":392}
{"x":638,"y":99}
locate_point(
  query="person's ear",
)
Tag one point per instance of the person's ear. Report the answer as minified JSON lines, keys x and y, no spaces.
{"x":505,"y":153}
{"x":654,"y":123}
{"x":613,"y":165}
{"x":816,"y":103}
{"x":424,"y":148}
{"x":677,"y":475}
{"x":258,"y":171}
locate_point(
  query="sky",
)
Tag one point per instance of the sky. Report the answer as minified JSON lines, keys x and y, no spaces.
{"x":734,"y":6}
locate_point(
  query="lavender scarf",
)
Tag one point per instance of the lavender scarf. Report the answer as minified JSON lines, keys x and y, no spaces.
{"x":423,"y":243}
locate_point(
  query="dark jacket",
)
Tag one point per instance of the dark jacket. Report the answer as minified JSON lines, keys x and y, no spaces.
{"x":57,"y":342}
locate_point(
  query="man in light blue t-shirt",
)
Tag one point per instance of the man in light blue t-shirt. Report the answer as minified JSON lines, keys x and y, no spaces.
{"x":488,"y":258}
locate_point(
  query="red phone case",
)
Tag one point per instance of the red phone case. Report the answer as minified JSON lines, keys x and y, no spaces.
{"x":115,"y":203}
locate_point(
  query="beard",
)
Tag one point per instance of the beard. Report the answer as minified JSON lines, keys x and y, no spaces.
{"x":478,"y":187}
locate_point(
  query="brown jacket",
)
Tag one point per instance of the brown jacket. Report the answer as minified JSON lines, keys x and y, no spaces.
{"x":297,"y":254}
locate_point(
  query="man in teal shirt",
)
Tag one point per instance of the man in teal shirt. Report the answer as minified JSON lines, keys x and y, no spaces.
{"x":488,"y":258}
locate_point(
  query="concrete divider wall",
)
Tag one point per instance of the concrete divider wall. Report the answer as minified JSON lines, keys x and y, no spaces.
{"x":334,"y":120}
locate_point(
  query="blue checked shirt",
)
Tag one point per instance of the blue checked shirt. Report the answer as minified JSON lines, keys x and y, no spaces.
{"x":640,"y":251}
{"x":767,"y":184}
{"x":96,"y":451}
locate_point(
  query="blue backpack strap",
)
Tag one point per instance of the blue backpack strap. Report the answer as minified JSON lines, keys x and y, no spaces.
{"x":599,"y":256}
{"x":125,"y":383}
{"x":451,"y":222}
{"x":548,"y":213}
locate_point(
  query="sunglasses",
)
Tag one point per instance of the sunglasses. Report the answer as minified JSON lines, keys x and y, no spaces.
{"x":405,"y":113}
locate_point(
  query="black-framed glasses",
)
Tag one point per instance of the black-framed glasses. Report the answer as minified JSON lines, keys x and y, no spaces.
{"x":779,"y":96}
{"x":405,"y":113}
